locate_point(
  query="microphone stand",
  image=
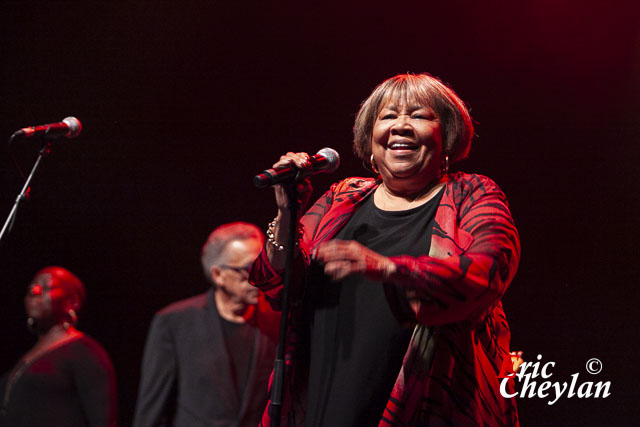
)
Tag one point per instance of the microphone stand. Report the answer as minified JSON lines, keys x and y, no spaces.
{"x":279,"y":365}
{"x":24,"y":194}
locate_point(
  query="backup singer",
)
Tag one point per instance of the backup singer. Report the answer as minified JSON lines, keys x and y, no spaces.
{"x":66,"y":379}
{"x":399,"y":319}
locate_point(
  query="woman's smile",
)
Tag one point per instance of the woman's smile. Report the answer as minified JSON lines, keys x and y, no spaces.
{"x":407,"y":141}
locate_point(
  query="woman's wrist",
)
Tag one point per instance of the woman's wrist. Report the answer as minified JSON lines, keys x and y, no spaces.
{"x":273,"y":242}
{"x":277,"y":239}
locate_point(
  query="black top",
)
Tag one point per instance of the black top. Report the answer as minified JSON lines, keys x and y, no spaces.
{"x":356,"y":342}
{"x":239,"y":340}
{"x":70,"y":385}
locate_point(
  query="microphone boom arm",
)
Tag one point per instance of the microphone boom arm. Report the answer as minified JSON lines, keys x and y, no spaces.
{"x":24,"y":193}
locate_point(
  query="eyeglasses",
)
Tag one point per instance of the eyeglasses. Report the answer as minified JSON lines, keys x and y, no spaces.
{"x":243,"y":271}
{"x":35,"y":289}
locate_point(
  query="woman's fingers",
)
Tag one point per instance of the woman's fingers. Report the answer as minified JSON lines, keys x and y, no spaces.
{"x":336,"y":250}
{"x":338,"y":270}
{"x":299,"y":160}
{"x":342,"y":258}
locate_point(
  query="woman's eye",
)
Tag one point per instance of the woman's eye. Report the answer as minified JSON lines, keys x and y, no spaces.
{"x":388,"y":116}
{"x":422,"y":116}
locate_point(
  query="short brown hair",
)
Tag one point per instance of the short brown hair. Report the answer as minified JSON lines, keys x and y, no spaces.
{"x":457,"y":126}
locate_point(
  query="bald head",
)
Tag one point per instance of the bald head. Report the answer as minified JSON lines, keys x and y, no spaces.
{"x":66,"y":280}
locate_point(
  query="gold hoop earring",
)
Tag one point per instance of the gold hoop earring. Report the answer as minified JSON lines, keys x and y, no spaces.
{"x":31,"y":325}
{"x":373,"y":164}
{"x":74,"y":319}
{"x":445,"y":165}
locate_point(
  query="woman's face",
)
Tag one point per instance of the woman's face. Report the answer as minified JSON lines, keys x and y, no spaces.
{"x":407,"y":142}
{"x":45,"y":299}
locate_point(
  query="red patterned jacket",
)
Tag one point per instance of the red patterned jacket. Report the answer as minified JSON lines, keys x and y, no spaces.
{"x":461,"y":336}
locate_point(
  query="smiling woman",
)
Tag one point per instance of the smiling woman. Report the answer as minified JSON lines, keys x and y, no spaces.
{"x":420,"y":90}
{"x":401,"y":320}
{"x":406,"y":141}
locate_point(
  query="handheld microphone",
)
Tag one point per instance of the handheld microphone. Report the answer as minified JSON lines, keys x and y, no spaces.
{"x":68,"y":128}
{"x":326,"y":160}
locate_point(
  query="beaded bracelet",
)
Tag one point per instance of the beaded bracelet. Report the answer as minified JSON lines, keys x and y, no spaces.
{"x":271,"y":236}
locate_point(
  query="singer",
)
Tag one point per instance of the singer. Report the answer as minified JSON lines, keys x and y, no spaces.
{"x":67,"y":378}
{"x":398,"y":317}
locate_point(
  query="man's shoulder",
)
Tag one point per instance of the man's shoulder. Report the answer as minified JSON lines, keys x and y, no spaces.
{"x":191,"y":304}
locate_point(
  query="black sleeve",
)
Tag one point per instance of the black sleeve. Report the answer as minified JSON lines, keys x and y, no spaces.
{"x":95,"y":378}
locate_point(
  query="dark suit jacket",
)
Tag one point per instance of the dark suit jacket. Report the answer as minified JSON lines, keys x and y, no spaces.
{"x":186,"y":379}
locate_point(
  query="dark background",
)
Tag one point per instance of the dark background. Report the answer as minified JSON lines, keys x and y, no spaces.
{"x":183,"y":102}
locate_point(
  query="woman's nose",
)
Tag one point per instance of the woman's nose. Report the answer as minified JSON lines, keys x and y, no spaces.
{"x":401,"y":125}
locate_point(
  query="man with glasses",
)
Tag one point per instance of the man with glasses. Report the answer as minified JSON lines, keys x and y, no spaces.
{"x":208,"y":358}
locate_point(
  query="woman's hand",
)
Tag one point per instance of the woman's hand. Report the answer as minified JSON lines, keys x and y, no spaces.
{"x":303,"y":188}
{"x":342,"y":258}
{"x":301,"y":161}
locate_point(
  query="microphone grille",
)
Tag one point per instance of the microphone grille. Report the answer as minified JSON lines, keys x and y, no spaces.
{"x":333,"y":159}
{"x":75,"y":127}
